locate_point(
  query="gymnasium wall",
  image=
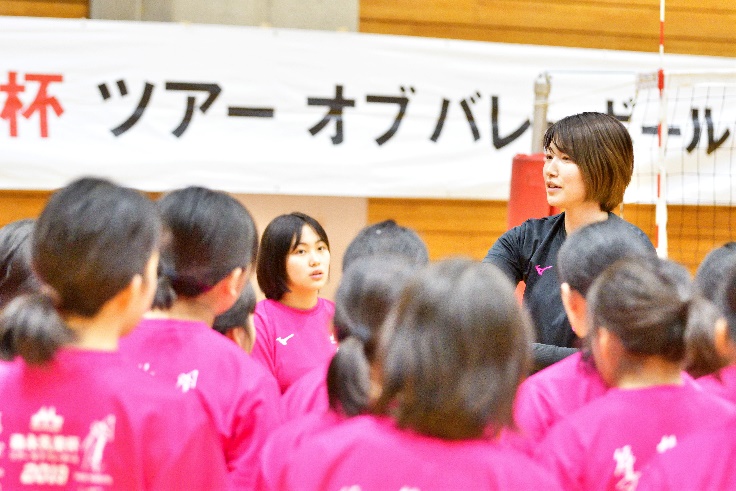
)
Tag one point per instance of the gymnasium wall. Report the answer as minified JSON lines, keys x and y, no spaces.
{"x":466,"y":227}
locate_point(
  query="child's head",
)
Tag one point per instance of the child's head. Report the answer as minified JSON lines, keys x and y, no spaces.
{"x":237,"y":322}
{"x":368,"y":289}
{"x":91,"y":241}
{"x":16,"y":274}
{"x":601,"y":147}
{"x":714,"y":269}
{"x":386,"y":238}
{"x":643,"y":306}
{"x":456,"y":345}
{"x":211,"y":237}
{"x":294,"y":248}
{"x":586,"y":253}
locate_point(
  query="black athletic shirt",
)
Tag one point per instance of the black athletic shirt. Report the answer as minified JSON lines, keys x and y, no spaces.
{"x":529,"y":253}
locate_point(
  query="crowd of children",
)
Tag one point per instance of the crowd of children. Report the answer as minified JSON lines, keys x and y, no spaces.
{"x":135,"y":355}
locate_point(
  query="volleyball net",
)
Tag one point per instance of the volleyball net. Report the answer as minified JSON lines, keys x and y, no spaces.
{"x":682,"y":193}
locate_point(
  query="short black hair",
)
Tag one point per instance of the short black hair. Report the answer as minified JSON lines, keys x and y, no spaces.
{"x":386,"y":238}
{"x":588,"y":251}
{"x":208,"y":235}
{"x":278,"y":240}
{"x":16,"y":273}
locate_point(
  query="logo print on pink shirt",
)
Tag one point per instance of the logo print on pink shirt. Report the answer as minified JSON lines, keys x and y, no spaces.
{"x":284,"y":340}
{"x":540,"y":269}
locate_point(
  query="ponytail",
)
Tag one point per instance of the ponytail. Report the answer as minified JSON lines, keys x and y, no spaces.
{"x":348,"y":378}
{"x":30,"y":327}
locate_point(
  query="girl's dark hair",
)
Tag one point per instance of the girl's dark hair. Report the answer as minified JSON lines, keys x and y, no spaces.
{"x":91,"y":239}
{"x":601,"y":147}
{"x":237,"y":315}
{"x":714,"y":269}
{"x":280,"y":238}
{"x":726,"y":301}
{"x":456,"y":346}
{"x":368,"y":289}
{"x":648,"y":304}
{"x":386,"y":238}
{"x":16,"y":274}
{"x":588,"y":251}
{"x":208,"y":235}
{"x":702,"y":356}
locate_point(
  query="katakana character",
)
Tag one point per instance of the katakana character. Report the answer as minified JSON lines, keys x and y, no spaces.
{"x":212,"y":89}
{"x":498,"y":141}
{"x":13,"y":104}
{"x":250,"y":112}
{"x":142,"y":104}
{"x":713,"y":144}
{"x":336,"y":107}
{"x":469,"y":116}
{"x":441,"y":121}
{"x":402,"y":102}
{"x":43,"y":101}
{"x":621,"y":117}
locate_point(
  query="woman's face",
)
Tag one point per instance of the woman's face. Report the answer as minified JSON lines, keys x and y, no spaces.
{"x":308,"y":264}
{"x":563,"y":179}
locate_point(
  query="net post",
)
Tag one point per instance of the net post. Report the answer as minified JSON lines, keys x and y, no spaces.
{"x":541,"y":104}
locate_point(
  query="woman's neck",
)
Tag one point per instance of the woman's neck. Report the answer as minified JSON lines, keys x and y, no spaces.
{"x":188,"y":309}
{"x":99,"y":333}
{"x":583,"y":214}
{"x":651,"y":371}
{"x":303,"y":300}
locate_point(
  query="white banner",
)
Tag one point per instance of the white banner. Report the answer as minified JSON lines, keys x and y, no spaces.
{"x":254,"y":110}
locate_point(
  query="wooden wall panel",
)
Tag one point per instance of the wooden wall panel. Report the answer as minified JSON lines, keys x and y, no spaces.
{"x":48,"y":8}
{"x":469,"y":228}
{"x":16,"y":205}
{"x":449,"y":227}
{"x":691,"y":27}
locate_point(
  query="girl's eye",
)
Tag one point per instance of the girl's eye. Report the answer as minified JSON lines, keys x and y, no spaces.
{"x":322,"y":248}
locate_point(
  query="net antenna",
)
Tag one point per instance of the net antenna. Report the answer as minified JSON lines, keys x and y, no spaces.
{"x":662,"y":133}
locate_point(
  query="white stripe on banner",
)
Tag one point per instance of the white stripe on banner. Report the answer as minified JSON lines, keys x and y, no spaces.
{"x":253,"y":110}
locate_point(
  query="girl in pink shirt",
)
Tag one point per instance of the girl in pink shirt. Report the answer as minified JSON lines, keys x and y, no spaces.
{"x":205,"y":265}
{"x":639,"y":310}
{"x":368,"y":289}
{"x":555,"y":392}
{"x":75,"y":413}
{"x":453,"y":350}
{"x":293,"y":323}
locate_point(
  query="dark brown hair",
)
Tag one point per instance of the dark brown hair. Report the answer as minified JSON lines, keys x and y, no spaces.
{"x":601,"y":147}
{"x":647,"y":304}
{"x":456,"y":346}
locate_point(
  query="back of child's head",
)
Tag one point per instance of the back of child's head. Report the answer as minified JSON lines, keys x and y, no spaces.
{"x":368,"y":289}
{"x":601,"y":147}
{"x":279,"y":238}
{"x":726,"y":301}
{"x":209,"y":234}
{"x":237,"y":315}
{"x":647,"y":303}
{"x":588,"y":251}
{"x":713,"y":270}
{"x":91,"y":239}
{"x":456,"y":346}
{"x":16,"y":273}
{"x":386,"y":238}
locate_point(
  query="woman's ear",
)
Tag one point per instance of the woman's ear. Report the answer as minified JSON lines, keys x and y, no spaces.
{"x":229,"y":288}
{"x":725,"y":346}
